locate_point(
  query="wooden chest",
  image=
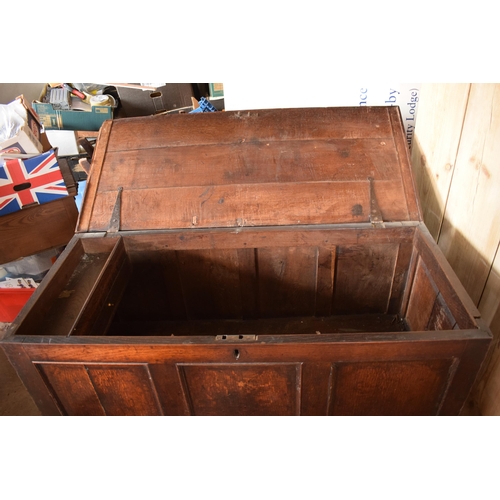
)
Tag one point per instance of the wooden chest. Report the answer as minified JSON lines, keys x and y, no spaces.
{"x":268,"y":262}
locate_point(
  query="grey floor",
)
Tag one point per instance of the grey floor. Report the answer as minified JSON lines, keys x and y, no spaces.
{"x":14,"y":398}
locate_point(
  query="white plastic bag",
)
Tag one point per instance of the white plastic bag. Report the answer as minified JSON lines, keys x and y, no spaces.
{"x":12,"y":117}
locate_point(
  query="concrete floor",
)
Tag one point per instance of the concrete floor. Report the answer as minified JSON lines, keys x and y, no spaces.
{"x":14,"y":398}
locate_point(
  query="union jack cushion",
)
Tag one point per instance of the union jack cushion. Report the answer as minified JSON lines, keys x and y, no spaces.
{"x":28,"y":181}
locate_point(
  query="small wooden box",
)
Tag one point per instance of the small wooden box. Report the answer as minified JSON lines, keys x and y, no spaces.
{"x":40,"y":227}
{"x":269,"y":262}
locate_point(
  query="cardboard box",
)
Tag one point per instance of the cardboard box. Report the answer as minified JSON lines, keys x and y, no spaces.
{"x":144,"y":100}
{"x":216,"y":89}
{"x":28,"y":139}
{"x":58,"y":119}
{"x":30,"y":181}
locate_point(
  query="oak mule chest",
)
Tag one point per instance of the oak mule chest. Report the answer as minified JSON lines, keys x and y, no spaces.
{"x":269,"y":262}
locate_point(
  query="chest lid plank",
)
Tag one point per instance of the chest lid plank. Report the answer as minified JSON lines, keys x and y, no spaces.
{"x":251,"y":168}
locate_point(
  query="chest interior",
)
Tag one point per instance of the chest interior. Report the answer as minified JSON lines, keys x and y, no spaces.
{"x":253,"y":282}
{"x":255,"y":223}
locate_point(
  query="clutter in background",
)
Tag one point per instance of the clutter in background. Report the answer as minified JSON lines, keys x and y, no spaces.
{"x":143,"y":99}
{"x":18,"y":283}
{"x":19,"y":279}
{"x":216,"y":90}
{"x":204,"y":106}
{"x":64,"y":106}
{"x":85,"y":106}
{"x":34,"y":171}
{"x":19,"y":129}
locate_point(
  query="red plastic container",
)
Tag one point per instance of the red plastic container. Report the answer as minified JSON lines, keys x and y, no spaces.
{"x":12,"y":300}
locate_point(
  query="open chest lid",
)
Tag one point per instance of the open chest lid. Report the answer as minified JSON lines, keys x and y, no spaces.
{"x":250,"y":168}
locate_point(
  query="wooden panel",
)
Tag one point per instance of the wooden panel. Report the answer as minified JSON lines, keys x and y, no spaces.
{"x":315,"y":388}
{"x":401,"y":277}
{"x":390,"y":388}
{"x":317,"y":160}
{"x":440,"y":317}
{"x":71,"y":387}
{"x":458,"y":301}
{"x":345,"y":323}
{"x":92,"y":389}
{"x":364,"y":277}
{"x":94,"y":177}
{"x":269,"y":237}
{"x":240,"y":126}
{"x":30,"y":317}
{"x":252,"y":162}
{"x":488,"y":390}
{"x":488,"y":393}
{"x":262,"y":389}
{"x":391,"y":201}
{"x":391,"y":373}
{"x":114,"y":293}
{"x":35,"y":229}
{"x":287,"y":281}
{"x":247,"y":261}
{"x":489,"y":306}
{"x":125,"y":389}
{"x":236,"y":205}
{"x":210,"y":283}
{"x":401,"y":146}
{"x":154,"y":290}
{"x":325,"y":281}
{"x":31,"y":378}
{"x":255,"y":282}
{"x":169,"y":388}
{"x":441,"y":112}
{"x":62,"y":316}
{"x":423,"y":296}
{"x":465,"y":376}
{"x":456,"y":150}
{"x":97,"y":305}
{"x":471,"y":229}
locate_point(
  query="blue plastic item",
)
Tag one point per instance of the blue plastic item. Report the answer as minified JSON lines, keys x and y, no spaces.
{"x":205,"y":106}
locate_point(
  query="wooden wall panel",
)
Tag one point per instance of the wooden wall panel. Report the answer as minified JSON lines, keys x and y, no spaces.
{"x":471,"y":227}
{"x":456,"y":161}
{"x":439,"y":125}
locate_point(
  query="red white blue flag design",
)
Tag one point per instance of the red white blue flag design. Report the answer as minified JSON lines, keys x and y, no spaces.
{"x":28,"y":181}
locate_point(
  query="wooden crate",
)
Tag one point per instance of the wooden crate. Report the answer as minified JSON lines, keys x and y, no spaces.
{"x":269,"y":262}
